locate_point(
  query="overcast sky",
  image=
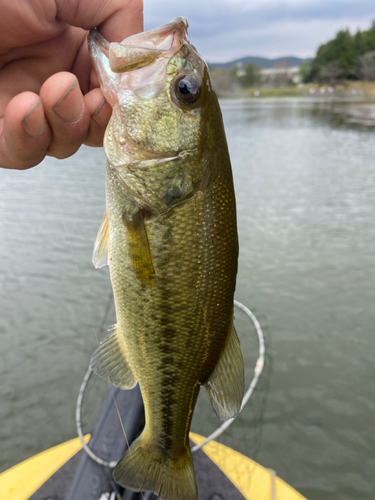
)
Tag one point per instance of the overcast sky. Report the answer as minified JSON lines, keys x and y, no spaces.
{"x":223,"y":30}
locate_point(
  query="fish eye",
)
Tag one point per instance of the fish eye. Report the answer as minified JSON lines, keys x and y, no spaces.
{"x":187,"y":88}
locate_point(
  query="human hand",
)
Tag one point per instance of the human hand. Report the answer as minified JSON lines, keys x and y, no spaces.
{"x":50,"y":103}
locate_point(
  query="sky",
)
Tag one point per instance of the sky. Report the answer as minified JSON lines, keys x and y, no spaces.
{"x":223,"y":30}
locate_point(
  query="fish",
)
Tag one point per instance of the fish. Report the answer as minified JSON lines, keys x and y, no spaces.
{"x":169,"y":236}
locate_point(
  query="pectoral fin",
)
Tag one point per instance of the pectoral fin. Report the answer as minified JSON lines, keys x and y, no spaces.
{"x":100,"y":254}
{"x":139,"y":248}
{"x":225,"y":386}
{"x":109,"y":362}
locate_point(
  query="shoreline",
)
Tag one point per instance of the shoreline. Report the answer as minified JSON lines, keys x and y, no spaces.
{"x":348,"y":91}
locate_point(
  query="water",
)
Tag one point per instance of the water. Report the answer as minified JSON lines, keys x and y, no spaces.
{"x":305,"y":187}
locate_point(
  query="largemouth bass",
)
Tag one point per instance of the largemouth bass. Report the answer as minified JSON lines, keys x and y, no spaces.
{"x":169,"y":236}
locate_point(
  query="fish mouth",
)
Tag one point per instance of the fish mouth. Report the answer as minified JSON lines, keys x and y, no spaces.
{"x":141,"y":49}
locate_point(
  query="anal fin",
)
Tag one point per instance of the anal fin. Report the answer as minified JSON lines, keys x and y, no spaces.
{"x":225,"y":386}
{"x":109,"y":362}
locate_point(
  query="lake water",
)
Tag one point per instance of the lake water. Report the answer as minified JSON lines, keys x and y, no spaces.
{"x":305,"y":183}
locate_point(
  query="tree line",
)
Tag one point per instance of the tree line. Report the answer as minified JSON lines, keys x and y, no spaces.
{"x":345,"y":57}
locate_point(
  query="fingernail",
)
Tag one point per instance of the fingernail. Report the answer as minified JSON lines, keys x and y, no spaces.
{"x":98,"y":110}
{"x":34,"y":122}
{"x":70,"y":106}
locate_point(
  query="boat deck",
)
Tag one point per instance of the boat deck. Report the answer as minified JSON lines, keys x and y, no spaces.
{"x":66,"y":472}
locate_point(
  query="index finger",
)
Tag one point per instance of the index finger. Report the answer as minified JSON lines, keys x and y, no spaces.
{"x":115,"y":19}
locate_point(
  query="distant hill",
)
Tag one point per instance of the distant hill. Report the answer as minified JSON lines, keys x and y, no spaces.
{"x":263,"y":62}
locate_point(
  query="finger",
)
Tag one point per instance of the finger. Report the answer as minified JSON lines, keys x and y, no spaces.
{"x":100,"y":112}
{"x":66,"y":114}
{"x":116,"y":19}
{"x":127,"y":20}
{"x":26,"y":135}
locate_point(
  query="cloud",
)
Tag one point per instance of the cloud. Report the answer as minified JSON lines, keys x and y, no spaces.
{"x":226,"y":29}
{"x":298,"y":38}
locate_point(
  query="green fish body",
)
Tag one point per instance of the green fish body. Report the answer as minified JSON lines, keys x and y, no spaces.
{"x":169,"y":236}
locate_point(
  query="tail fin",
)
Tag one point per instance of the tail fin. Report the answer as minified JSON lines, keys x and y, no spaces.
{"x":143,"y":468}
